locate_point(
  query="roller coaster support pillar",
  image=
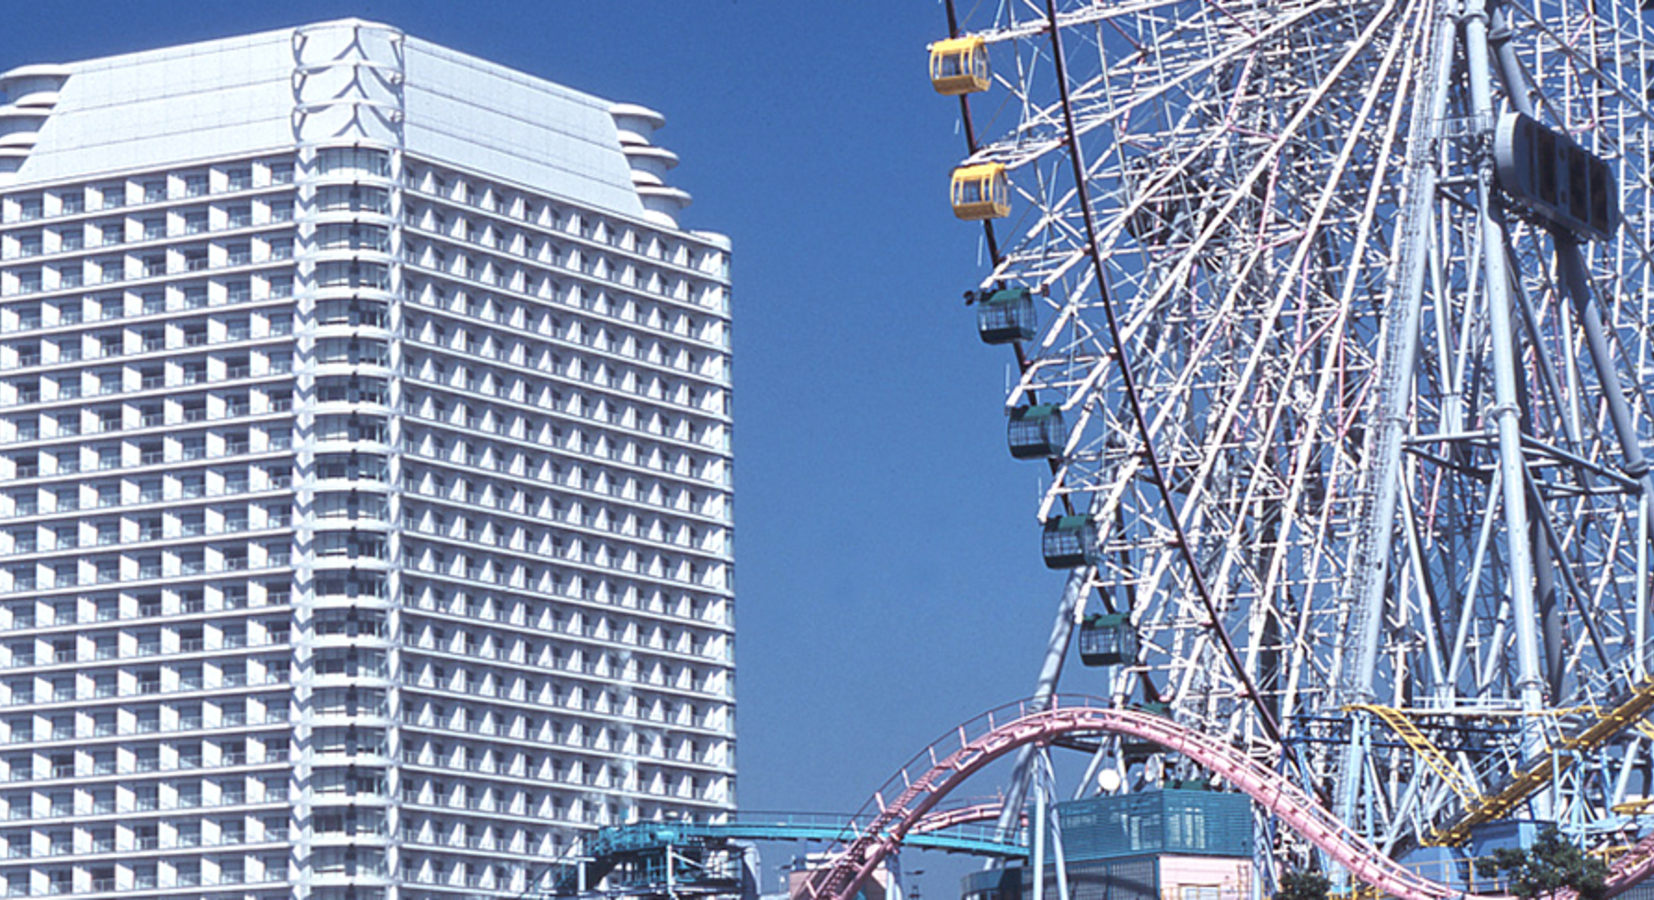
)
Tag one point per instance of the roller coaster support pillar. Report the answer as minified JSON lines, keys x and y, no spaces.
{"x":671,"y":879}
{"x":1039,"y":843}
{"x":1641,"y":629}
{"x":1048,"y":789}
{"x":1056,"y":648}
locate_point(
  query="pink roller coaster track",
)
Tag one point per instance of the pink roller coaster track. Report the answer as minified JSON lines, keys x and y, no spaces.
{"x":904,"y":801}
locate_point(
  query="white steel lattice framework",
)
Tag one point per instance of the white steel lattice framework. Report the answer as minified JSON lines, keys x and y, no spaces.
{"x":1353,"y":426}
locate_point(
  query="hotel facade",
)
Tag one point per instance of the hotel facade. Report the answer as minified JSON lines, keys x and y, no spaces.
{"x":365,"y":474}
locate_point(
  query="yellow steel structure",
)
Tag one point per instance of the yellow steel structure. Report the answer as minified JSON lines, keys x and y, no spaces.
{"x":1358,"y":891}
{"x":981,"y":192}
{"x":959,"y":66}
{"x":1427,"y":751}
{"x":1633,"y":807}
{"x":1631,"y":708}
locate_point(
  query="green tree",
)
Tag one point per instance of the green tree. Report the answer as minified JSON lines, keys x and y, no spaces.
{"x":1303,"y":885}
{"x":1551,"y":864}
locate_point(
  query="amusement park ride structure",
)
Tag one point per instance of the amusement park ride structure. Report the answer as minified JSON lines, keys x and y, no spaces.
{"x":1331,"y":319}
{"x":1340,"y":382}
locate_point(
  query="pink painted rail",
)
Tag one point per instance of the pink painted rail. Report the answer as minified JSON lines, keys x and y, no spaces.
{"x":905,"y":801}
{"x":1636,"y":865}
{"x":964,"y":815}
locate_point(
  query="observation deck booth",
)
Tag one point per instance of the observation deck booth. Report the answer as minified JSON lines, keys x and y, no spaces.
{"x":1174,"y":843}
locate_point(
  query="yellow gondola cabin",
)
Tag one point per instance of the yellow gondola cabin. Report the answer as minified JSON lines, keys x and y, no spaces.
{"x":959,"y":66}
{"x":981,"y":192}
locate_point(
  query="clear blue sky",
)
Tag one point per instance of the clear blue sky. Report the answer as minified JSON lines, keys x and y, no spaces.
{"x":888,"y":576}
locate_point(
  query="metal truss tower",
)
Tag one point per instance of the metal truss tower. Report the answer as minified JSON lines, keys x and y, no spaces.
{"x":1343,"y":321}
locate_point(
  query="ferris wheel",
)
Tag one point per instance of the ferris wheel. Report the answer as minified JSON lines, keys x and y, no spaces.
{"x":1332,"y":323}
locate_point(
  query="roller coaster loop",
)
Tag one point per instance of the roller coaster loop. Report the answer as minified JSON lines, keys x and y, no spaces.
{"x":910,"y":795}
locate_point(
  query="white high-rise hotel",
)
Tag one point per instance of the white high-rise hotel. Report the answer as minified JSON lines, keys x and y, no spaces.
{"x":364,"y":474}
